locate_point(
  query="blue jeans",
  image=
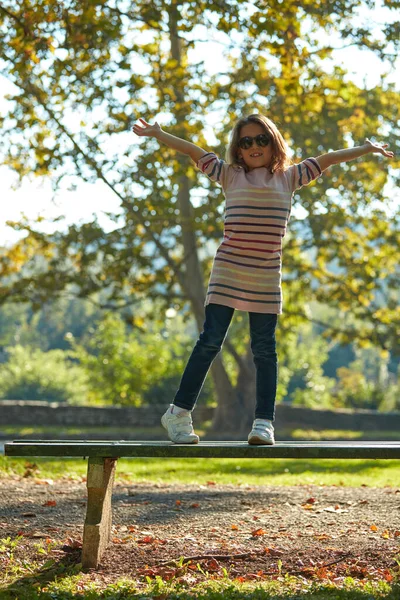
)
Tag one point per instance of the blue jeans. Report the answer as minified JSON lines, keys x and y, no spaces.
{"x":263,"y":345}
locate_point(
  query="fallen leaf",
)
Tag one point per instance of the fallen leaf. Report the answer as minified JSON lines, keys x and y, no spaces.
{"x":50,"y":503}
{"x":212,"y":565}
{"x":44,"y":482}
{"x":387,"y":575}
{"x":323,"y":536}
{"x":234,"y":527}
{"x":71,"y":544}
{"x":373,"y":528}
{"x":258,"y":532}
{"x":36,"y":534}
{"x":385,"y":534}
{"x":148,"y":539}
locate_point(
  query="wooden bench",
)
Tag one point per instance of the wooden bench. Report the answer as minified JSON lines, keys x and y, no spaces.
{"x":103,"y":456}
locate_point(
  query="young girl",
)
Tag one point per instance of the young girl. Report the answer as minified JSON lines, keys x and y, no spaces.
{"x":258,"y":180}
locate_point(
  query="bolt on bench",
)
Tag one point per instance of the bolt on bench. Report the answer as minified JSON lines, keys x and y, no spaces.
{"x":103,"y":456}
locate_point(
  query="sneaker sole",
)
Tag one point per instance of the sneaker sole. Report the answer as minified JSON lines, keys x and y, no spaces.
{"x":163,"y":423}
{"x":256,"y":441}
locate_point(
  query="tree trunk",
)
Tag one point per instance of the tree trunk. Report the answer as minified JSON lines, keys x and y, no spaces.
{"x":231,"y":403}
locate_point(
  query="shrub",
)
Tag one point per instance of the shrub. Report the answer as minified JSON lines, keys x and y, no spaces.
{"x":31,"y":374}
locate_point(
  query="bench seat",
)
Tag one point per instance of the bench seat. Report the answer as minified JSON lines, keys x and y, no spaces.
{"x":161,"y":449}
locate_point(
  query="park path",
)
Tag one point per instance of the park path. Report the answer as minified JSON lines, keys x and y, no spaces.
{"x":252,"y":531}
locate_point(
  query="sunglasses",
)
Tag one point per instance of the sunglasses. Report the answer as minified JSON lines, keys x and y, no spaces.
{"x":262,"y":139}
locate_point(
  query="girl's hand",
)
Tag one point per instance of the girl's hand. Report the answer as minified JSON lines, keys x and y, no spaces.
{"x":147,"y":129}
{"x":374,"y":147}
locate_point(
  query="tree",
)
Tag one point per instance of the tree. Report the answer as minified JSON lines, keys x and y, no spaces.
{"x":126,"y":367}
{"x":103,"y":64}
{"x":30,"y":374}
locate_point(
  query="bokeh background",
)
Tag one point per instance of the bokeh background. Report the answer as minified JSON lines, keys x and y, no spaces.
{"x":107,"y":239}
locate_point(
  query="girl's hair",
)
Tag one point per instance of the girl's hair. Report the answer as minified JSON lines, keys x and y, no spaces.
{"x":280,"y":158}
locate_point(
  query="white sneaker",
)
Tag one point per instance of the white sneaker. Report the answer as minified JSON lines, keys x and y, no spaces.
{"x":262,"y":433}
{"x":179,"y":427}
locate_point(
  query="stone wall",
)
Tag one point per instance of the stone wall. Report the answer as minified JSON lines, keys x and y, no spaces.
{"x":44,"y":414}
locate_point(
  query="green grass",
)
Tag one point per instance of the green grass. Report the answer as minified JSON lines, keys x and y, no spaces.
{"x":69,"y":585}
{"x":339,"y":434}
{"x":202,"y":429}
{"x":60,"y":432}
{"x":352,"y":473}
{"x":51,"y":578}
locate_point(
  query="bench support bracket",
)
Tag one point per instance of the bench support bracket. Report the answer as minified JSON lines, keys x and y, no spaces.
{"x":97,"y":527}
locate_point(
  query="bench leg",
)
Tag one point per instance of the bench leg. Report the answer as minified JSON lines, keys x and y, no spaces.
{"x":97,"y":528}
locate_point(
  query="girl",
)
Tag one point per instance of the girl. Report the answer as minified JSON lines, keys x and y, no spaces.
{"x":258,"y":180}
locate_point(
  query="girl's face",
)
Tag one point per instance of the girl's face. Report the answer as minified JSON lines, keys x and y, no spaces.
{"x":257,"y":155}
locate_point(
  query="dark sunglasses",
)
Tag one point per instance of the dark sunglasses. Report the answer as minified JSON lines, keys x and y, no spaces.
{"x":262,"y":139}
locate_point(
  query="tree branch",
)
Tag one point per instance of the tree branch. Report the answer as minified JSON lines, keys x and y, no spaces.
{"x":34,"y":90}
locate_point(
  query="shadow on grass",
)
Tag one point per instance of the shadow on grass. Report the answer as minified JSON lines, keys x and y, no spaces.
{"x":26,"y":587}
{"x":149,"y":468}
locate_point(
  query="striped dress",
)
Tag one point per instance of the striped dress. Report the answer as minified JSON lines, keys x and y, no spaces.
{"x":247,"y":268}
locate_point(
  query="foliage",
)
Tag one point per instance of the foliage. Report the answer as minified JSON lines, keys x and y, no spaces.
{"x":11,"y":318}
{"x":355,"y":390}
{"x":303,"y":354}
{"x":308,"y":385}
{"x":129,"y":366}
{"x":31,"y":374}
{"x":78,"y":58}
{"x":46,"y":328}
{"x":83,"y":71}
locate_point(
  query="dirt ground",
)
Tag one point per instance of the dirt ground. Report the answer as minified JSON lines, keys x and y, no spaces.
{"x":251,"y":531}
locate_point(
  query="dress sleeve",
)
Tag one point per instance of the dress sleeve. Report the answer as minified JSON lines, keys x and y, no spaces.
{"x":215,"y":168}
{"x":303,"y":173}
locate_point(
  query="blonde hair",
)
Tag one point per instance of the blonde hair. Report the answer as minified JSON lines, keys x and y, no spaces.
{"x":280,"y":157}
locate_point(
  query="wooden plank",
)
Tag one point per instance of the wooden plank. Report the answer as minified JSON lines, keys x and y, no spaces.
{"x":164,"y":449}
{"x":211,"y":442}
{"x":97,"y":527}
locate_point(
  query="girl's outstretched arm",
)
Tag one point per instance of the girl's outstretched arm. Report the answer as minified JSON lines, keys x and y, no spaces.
{"x":172,"y":141}
{"x":332,"y":158}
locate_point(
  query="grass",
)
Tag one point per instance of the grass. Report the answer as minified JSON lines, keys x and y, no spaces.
{"x":339,"y":434}
{"x":60,"y":432}
{"x":351,"y":473}
{"x":202,"y":429}
{"x":48,"y":579}
{"x":56,"y":583}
